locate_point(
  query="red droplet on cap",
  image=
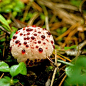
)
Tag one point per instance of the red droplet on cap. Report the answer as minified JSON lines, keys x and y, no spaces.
{"x":48,"y":33}
{"x":14,"y":37}
{"x":35,"y":34}
{"x":53,"y":47}
{"x":17,"y":41}
{"x":34,"y":26}
{"x":43,"y":36}
{"x":23,"y":51}
{"x":25,"y":43}
{"x":32,"y":37}
{"x":52,"y":42}
{"x":29,"y":29}
{"x":37,"y":46}
{"x":24,"y":28}
{"x":16,"y":32}
{"x":39,"y":42}
{"x":27,"y":46}
{"x":40,"y":50}
{"x":21,"y":34}
{"x":28,"y":38}
{"x":28,"y":33}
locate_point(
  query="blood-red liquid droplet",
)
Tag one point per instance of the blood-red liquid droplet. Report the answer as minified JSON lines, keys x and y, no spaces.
{"x":46,"y":48}
{"x":40,"y":50}
{"x":39,"y":42}
{"x":43,"y":36}
{"x":24,"y":34}
{"x":14,"y":37}
{"x":39,"y":32}
{"x":24,"y":28}
{"x":23,"y":51}
{"x":27,"y":46}
{"x":21,"y":34}
{"x":19,"y":44}
{"x":16,"y":32}
{"x":52,"y":42}
{"x":25,"y":38}
{"x":44,"y":43}
{"x":48,"y":33}
{"x":29,"y":29}
{"x":35,"y":42}
{"x":28,"y":33}
{"x":17,"y":41}
{"x":32,"y":37}
{"x":35,"y":34}
{"x":37,"y":46}
{"x":28,"y":38}
{"x":25,"y":43}
{"x":53,"y":47}
{"x":34,"y":26}
{"x":47,"y":40}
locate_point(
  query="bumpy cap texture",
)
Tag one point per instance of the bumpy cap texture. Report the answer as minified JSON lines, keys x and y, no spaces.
{"x":31,"y":43}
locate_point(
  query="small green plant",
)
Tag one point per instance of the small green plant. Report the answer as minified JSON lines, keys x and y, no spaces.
{"x":14,"y":71}
{"x":76,"y":73}
{"x":13,"y":6}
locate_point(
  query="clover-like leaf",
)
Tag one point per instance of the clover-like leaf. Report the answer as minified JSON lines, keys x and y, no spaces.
{"x":4,"y":67}
{"x":23,"y":69}
{"x":77,"y":73}
{"x":14,"y":70}
{"x":18,"y":69}
{"x":4,"y":82}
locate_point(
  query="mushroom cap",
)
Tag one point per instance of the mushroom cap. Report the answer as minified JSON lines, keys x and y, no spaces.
{"x":31,"y":43}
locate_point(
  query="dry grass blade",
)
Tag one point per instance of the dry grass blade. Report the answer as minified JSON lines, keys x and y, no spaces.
{"x":36,"y":14}
{"x":55,"y":70}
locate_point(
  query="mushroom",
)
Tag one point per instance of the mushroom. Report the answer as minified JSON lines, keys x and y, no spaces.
{"x":31,"y":45}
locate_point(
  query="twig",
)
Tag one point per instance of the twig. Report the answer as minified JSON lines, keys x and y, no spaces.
{"x":62,"y":80}
{"x":36,"y":14}
{"x":46,"y":17}
{"x":26,"y":10}
{"x":4,"y":30}
{"x":2,"y":75}
{"x":20,"y":84}
{"x":80,"y":9}
{"x":54,"y":70}
{"x":53,"y":76}
{"x":68,"y":31}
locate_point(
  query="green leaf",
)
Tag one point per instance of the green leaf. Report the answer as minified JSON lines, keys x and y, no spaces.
{"x":71,"y":47}
{"x":4,"y":67}
{"x":3,"y":21}
{"x":18,"y":69}
{"x":8,"y":78}
{"x":23,"y":69}
{"x":14,"y":70}
{"x":77,"y":73}
{"x":4,"y":82}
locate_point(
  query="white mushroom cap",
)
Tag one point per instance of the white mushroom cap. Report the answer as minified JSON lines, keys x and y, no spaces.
{"x":31,"y":43}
